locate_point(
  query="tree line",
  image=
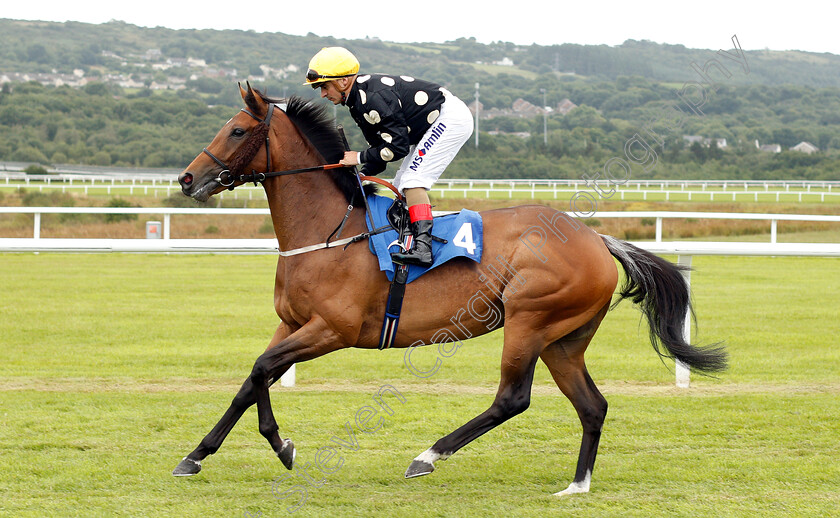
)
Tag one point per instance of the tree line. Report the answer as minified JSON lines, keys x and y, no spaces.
{"x":102,"y":125}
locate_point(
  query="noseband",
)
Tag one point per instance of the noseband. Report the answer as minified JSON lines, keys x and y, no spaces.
{"x":230,"y":174}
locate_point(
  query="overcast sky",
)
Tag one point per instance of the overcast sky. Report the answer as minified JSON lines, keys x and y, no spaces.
{"x":708,"y":24}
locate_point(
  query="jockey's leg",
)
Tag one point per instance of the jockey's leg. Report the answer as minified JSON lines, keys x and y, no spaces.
{"x":420,"y":212}
{"x":422,"y":168}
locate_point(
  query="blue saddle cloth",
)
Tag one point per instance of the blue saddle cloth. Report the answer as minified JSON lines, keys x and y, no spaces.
{"x":462,"y":231}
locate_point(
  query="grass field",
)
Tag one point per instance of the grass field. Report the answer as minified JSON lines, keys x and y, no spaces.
{"x":115,"y":366}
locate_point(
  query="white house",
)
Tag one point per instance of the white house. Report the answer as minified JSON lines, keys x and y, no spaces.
{"x":805,"y":147}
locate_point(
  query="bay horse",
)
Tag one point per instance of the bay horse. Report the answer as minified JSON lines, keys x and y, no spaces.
{"x":547,"y":279}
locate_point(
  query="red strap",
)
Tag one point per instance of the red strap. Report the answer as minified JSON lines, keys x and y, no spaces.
{"x":419,"y":212}
{"x":385,"y":183}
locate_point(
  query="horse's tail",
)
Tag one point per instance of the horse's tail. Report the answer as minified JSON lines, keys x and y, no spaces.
{"x":663,"y":295}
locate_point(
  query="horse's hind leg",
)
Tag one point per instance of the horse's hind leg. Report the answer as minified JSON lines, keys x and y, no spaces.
{"x":513,"y":397}
{"x":564,"y":359}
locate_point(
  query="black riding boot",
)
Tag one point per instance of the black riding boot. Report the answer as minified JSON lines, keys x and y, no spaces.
{"x":420,"y":253}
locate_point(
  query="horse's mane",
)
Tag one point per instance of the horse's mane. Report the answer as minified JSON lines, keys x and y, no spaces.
{"x":320,"y":129}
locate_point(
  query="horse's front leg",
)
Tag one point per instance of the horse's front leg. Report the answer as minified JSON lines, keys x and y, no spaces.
{"x":310,"y":341}
{"x":245,"y":398}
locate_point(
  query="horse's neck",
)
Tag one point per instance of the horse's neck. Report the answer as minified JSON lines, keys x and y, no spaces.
{"x":307,"y":207}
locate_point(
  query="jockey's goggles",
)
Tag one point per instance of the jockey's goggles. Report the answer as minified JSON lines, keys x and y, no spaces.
{"x":314,"y":79}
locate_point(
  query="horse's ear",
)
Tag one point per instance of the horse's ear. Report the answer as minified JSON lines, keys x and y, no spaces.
{"x":254,"y":102}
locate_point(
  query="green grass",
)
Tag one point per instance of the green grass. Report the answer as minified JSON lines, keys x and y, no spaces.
{"x":115,"y":366}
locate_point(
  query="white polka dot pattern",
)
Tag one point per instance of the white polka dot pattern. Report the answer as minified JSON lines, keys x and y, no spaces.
{"x":387,"y":107}
{"x":373,"y":117}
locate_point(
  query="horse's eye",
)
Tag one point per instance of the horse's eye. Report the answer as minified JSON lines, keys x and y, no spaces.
{"x":237,"y":132}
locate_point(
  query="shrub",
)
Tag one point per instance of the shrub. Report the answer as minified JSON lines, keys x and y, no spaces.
{"x":42,"y":199}
{"x":35,"y":169}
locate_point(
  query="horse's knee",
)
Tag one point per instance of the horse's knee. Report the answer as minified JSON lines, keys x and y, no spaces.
{"x":260,"y":371}
{"x":512,"y":404}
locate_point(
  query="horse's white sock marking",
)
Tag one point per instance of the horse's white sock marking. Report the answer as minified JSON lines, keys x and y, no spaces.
{"x":428,"y":456}
{"x":577,"y":487}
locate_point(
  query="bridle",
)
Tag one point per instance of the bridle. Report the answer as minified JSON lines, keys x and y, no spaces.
{"x":228,"y":176}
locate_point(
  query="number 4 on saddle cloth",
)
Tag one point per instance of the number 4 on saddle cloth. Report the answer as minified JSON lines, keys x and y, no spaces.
{"x":454,"y":235}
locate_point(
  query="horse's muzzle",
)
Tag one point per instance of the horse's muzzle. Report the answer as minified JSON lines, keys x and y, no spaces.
{"x":186,"y":181}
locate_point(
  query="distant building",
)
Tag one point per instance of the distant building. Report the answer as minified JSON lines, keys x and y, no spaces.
{"x":720,"y":142}
{"x":805,"y":147}
{"x":523,"y":108}
{"x":109,"y":54}
{"x":565,"y":106}
{"x":768,"y":148}
{"x":705,"y":142}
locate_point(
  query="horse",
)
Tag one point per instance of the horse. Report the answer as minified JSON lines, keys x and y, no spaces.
{"x":544,"y":277}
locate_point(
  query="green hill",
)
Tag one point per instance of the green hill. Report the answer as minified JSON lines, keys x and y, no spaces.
{"x":121,"y":94}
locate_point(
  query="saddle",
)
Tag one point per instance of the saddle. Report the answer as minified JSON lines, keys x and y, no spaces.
{"x":458,"y":235}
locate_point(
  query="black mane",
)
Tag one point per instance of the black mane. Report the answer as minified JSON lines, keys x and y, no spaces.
{"x":319,"y":128}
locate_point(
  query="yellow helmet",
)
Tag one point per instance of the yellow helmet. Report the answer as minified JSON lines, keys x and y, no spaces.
{"x":331,"y":63}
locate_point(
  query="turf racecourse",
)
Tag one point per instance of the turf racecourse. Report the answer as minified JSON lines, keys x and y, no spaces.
{"x":115,"y":366}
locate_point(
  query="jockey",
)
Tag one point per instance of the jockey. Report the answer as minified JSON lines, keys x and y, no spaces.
{"x":400,"y":117}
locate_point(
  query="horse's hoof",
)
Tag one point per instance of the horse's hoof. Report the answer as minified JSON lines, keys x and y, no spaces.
{"x":287,"y":454}
{"x":187,"y":467}
{"x":418,"y":468}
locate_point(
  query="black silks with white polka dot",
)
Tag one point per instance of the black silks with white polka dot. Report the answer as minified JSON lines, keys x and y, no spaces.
{"x":393,"y":112}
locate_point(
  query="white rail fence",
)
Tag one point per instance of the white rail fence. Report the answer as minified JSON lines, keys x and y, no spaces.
{"x":232,"y":245}
{"x":690,"y":190}
{"x":684,"y":250}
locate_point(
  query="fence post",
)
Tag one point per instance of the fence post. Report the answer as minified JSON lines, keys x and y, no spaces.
{"x":683,"y":372}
